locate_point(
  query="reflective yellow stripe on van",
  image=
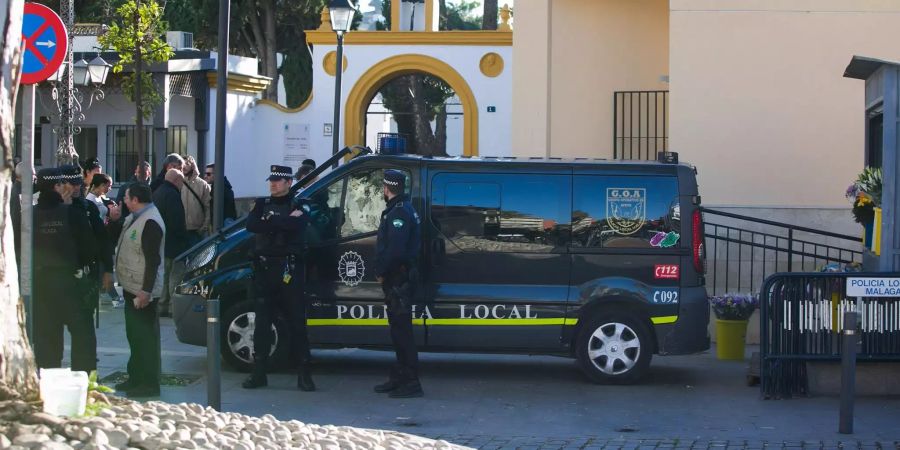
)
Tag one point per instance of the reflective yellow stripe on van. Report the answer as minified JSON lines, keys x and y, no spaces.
{"x":354,"y":322}
{"x":472,"y":322}
{"x":664,"y":319}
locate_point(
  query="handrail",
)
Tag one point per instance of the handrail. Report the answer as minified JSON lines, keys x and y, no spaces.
{"x":780,"y":224}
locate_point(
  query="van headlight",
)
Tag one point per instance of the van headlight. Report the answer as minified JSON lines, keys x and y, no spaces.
{"x":201,"y":258}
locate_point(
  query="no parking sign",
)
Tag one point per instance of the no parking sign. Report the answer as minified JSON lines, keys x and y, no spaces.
{"x":44,"y":41}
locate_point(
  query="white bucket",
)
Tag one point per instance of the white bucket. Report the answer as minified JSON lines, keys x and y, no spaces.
{"x":64,"y":392}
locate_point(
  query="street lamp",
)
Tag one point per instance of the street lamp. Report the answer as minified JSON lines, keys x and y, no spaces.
{"x":99,"y":70}
{"x":71,"y":102}
{"x":342,"y":12}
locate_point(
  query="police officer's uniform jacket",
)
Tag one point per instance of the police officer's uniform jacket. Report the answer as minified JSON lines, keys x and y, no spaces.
{"x":399,"y":237}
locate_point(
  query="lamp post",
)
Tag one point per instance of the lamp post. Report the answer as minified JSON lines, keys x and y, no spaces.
{"x":341,"y":17}
{"x":70,"y":100}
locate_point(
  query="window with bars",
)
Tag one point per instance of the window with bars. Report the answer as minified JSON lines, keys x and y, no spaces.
{"x":121,"y":151}
{"x":641,"y":126}
{"x":176,"y":139}
{"x":17,"y":144}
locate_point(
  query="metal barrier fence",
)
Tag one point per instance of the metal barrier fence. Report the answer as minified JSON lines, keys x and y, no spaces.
{"x":801,"y":319}
{"x":743,"y":250}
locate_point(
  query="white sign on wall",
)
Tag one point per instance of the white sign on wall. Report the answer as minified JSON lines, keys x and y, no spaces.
{"x":873,"y":287}
{"x":296,"y":143}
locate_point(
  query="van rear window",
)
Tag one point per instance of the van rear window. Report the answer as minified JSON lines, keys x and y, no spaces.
{"x":625,"y":212}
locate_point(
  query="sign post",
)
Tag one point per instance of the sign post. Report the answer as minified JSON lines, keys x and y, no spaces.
{"x":45,"y":43}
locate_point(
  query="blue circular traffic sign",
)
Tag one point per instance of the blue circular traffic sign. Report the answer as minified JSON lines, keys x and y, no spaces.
{"x":45,"y":43}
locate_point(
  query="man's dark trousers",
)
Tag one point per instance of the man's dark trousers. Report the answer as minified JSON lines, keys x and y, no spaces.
{"x":59,"y":307}
{"x":399,"y":309}
{"x":274,"y":295}
{"x":142,"y":331}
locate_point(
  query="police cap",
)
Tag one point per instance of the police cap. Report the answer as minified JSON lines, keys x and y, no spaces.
{"x":280,"y":173}
{"x":71,"y":174}
{"x":47,"y":178}
{"x":394,"y":178}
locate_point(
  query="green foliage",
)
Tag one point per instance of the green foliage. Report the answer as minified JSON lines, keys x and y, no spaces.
{"x":94,"y":385}
{"x":463,"y":16}
{"x":138,"y":30}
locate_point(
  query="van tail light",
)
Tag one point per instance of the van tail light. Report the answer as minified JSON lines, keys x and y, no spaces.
{"x":697,"y":246}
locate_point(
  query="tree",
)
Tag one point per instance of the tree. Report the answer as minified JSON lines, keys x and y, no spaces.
{"x":489,"y":19}
{"x":18,"y":376}
{"x":136,"y":37}
{"x":418,"y":99}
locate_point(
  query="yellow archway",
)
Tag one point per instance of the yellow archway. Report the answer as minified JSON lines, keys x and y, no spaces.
{"x":370,"y":82}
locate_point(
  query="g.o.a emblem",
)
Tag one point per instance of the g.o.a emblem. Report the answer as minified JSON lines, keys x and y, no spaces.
{"x":351,"y":268}
{"x":626,"y":209}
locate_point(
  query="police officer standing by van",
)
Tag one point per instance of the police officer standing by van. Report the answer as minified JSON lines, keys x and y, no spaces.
{"x":64,"y":248}
{"x":399,"y":236}
{"x":278,"y":276}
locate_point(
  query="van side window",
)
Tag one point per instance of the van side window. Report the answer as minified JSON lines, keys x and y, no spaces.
{"x":364,"y":202}
{"x":502,"y":212}
{"x":324,"y":213}
{"x":625,"y":212}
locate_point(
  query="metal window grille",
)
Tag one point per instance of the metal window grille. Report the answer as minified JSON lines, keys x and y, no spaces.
{"x":177,"y":139}
{"x":121,"y":150}
{"x":641,"y":126}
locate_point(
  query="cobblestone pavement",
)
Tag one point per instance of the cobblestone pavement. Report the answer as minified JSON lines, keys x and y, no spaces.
{"x":594,"y":443}
{"x":531,"y":402}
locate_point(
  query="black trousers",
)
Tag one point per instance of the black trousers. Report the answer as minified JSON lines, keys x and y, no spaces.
{"x":399,"y":308}
{"x":142,"y":331}
{"x":273,"y":296}
{"x":59,"y":305}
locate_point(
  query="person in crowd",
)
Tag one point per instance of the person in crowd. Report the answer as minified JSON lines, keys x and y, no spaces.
{"x":305,"y":169}
{"x":167,"y":198}
{"x":278,"y":276}
{"x":139,"y":266}
{"x":396,"y":267}
{"x":172,"y":161}
{"x":91,"y":167}
{"x":230,"y":210}
{"x":141,"y":175}
{"x":64,"y":248}
{"x":110,"y":214}
{"x":197,"y":200}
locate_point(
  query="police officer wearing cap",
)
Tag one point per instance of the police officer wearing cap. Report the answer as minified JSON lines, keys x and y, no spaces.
{"x":278,"y":276}
{"x":399,"y":236}
{"x":63,"y":249}
{"x":100,"y":255}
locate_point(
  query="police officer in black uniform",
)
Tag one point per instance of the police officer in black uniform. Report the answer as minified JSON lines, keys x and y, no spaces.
{"x":278,"y":276}
{"x":99,"y":271}
{"x":63,"y":245}
{"x":399,"y":237}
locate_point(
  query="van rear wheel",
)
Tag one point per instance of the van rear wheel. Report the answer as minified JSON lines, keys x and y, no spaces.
{"x":614,"y":348}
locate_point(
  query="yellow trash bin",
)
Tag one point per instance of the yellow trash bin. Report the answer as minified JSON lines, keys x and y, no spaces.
{"x":730,"y":338}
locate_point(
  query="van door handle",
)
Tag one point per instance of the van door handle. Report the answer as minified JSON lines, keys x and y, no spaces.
{"x":438,"y":250}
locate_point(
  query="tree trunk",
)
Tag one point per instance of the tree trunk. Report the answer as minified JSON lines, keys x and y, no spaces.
{"x":440,"y":132}
{"x":424,"y":136}
{"x":269,"y":56}
{"x":18,"y":377}
{"x":489,"y":19}
{"x":138,"y":85}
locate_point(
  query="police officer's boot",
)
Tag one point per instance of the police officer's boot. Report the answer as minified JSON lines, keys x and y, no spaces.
{"x":257,"y":378}
{"x":392,"y":383}
{"x":408,"y":389}
{"x":304,"y":378}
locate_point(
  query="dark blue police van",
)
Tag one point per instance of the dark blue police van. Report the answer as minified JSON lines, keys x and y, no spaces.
{"x":598,"y":260}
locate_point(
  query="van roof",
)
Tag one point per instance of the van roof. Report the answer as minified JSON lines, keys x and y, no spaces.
{"x":529,"y":160}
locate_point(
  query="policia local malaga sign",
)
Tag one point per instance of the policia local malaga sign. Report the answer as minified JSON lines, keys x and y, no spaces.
{"x":873,"y":287}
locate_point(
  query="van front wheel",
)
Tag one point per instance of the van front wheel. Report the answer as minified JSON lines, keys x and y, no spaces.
{"x":614,"y":348}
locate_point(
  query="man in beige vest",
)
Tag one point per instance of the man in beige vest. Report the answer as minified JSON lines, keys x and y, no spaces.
{"x":196,"y":197}
{"x":140,"y":271}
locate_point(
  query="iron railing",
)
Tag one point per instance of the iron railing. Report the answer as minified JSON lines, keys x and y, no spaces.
{"x":802,"y":318}
{"x":742,"y":250}
{"x":640,"y":124}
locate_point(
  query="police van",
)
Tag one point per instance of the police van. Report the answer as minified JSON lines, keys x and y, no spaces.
{"x":598,"y":260}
